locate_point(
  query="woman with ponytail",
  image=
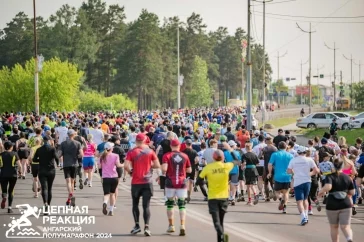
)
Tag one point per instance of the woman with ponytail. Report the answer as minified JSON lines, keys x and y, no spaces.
{"x":107,"y":168}
{"x":339,"y":203}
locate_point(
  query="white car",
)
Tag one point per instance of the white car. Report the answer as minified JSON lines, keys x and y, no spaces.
{"x":357,"y":121}
{"x":320,"y":120}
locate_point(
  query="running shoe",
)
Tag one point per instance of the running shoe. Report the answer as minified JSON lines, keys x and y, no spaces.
{"x":267,"y":199}
{"x":171,"y":229}
{"x":233,"y":203}
{"x":226,"y":238}
{"x":275,"y":197}
{"x":256,"y":199}
{"x":318,"y":206}
{"x":104,"y":210}
{"x":136,"y":230}
{"x":249,"y":203}
{"x":271,"y":194}
{"x":284,"y":209}
{"x":147,"y":232}
{"x":304,"y":222}
{"x":68,"y":202}
{"x":90,"y":184}
{"x":81,"y":185}
{"x":310,"y":212}
{"x":353,"y":211}
{"x":73,"y":201}
{"x":23,"y":177}
{"x":111,"y":213}
{"x":205,"y":199}
{"x":10,"y":210}
{"x":188,"y":199}
{"x":3,"y":202}
{"x":86,"y":182}
{"x":195,"y":189}
{"x":281,"y":205}
{"x":360,"y":201}
{"x":182,"y":231}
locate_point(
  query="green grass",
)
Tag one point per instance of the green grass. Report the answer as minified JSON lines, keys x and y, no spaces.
{"x":350,"y":135}
{"x":354,"y":112}
{"x":282,"y":122}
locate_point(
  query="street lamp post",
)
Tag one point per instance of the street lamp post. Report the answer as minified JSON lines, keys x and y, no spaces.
{"x":351,"y":80}
{"x":334,"y":83}
{"x":249,"y":73}
{"x":309,"y":71}
{"x":302,"y":81}
{"x":318,"y":76}
{"x":36,"y":84}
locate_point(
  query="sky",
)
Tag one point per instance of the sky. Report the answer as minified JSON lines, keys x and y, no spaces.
{"x":282,"y":33}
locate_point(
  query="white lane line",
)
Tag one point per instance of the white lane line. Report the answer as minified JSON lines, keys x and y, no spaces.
{"x":238,"y":232}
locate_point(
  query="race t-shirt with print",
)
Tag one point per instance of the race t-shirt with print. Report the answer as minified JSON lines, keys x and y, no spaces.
{"x":178,"y":163}
{"x":141,"y":161}
{"x":326,"y":168}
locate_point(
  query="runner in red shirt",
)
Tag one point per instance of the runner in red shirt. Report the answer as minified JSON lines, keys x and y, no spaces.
{"x":175,"y":165}
{"x":140,"y":163}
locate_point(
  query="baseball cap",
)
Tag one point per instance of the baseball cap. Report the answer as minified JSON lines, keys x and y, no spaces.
{"x":324,"y":141}
{"x":257,"y":132}
{"x":140,"y":137}
{"x":301,"y":149}
{"x":175,"y":142}
{"x":117,"y":127}
{"x":188,"y":141}
{"x":63,"y":124}
{"x":223,"y":138}
{"x":71,"y":132}
{"x":232,"y":143}
{"x":108,"y":146}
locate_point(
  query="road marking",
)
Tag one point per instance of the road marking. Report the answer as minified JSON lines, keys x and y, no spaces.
{"x":237,"y":231}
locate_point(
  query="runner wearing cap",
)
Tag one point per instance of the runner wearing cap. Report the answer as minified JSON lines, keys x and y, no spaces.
{"x":301,"y":167}
{"x":217,"y":174}
{"x":88,"y":160}
{"x":326,"y":168}
{"x":35,"y":164}
{"x":139,"y":163}
{"x":108,"y":165}
{"x":232,"y":155}
{"x":70,"y":151}
{"x":175,"y":166}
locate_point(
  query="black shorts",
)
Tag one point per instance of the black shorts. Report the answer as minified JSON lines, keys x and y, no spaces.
{"x":241,"y":175}
{"x":119,"y":170}
{"x":260,"y":170}
{"x":361,"y":172}
{"x":217,"y":205}
{"x":69,"y":172}
{"x":162,"y":182}
{"x":23,"y":154}
{"x":35,"y":170}
{"x":109,"y":185}
{"x":278,"y":186}
{"x":251,"y":176}
{"x":142,"y":190}
{"x":191,"y":175}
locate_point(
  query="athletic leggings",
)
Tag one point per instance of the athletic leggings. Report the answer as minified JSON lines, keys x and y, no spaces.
{"x":146,"y":194}
{"x":46,"y":182}
{"x":7,"y":188}
{"x":313,"y":192}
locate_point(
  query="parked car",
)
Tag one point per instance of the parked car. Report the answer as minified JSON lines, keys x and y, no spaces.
{"x":344,"y":116}
{"x":320,"y":120}
{"x":357,"y":121}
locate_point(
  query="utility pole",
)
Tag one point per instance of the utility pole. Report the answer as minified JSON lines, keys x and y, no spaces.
{"x":309,"y":70}
{"x":351,"y":80}
{"x":178,"y":74}
{"x":36,"y":84}
{"x":278,"y":57}
{"x":334,"y":83}
{"x":302,"y":81}
{"x":359,"y":65}
{"x":249,"y":74}
{"x":263,"y":81}
{"x":318,"y":76}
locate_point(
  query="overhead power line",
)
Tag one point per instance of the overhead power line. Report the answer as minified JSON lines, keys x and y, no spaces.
{"x":301,"y":16}
{"x":307,"y":21}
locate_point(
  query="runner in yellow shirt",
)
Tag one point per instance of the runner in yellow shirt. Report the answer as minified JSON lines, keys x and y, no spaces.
{"x":217,"y":174}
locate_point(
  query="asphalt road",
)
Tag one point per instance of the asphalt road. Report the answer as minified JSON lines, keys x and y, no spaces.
{"x":243,"y":223}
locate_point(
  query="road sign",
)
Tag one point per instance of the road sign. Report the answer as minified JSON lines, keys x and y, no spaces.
{"x":315,"y":76}
{"x":321,"y":75}
{"x":288,"y":79}
{"x":180,"y":80}
{"x":293,"y":79}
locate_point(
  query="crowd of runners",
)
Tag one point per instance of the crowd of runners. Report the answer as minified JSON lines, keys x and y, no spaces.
{"x":207,"y":150}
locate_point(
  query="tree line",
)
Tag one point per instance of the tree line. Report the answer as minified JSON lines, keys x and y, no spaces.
{"x":137,"y":58}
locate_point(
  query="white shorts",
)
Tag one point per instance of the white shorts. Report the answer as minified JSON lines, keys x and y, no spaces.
{"x":176,"y":192}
